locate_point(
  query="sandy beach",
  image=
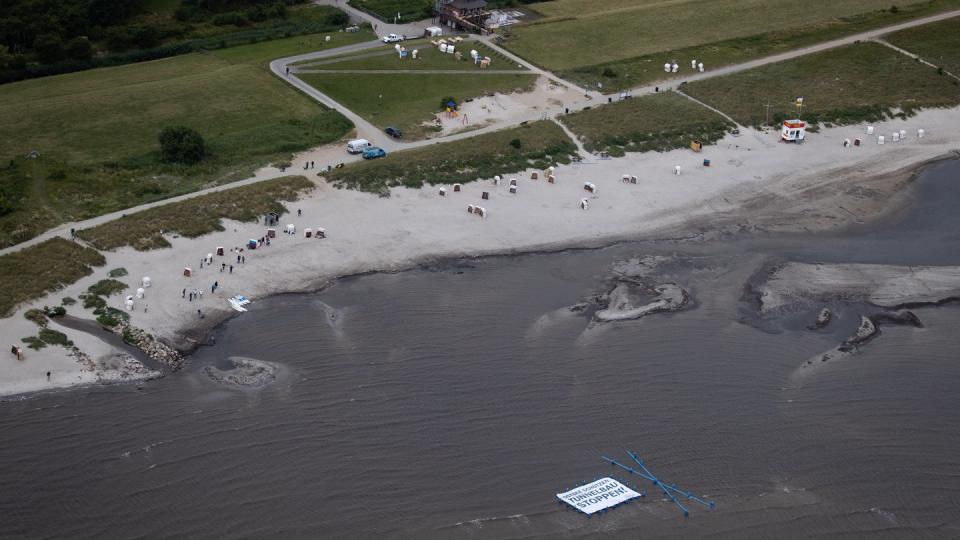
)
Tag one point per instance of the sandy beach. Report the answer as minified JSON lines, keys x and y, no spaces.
{"x":754,"y":184}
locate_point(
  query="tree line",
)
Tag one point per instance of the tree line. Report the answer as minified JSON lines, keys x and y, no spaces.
{"x":42,"y":37}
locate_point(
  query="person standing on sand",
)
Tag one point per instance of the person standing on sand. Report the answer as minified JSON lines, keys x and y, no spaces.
{"x":243,"y":259}
{"x":184,"y":293}
{"x":48,"y":375}
{"x":231,"y":268}
{"x":299,"y":212}
{"x":238,"y":259}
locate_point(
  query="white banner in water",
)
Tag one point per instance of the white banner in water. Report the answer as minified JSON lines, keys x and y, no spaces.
{"x":598,"y":495}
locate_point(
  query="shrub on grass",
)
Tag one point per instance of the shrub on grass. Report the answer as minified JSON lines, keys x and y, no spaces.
{"x":181,"y":145}
{"x":106,"y":287}
{"x":36,"y":316}
{"x":129,"y":337}
{"x":53,"y":337}
{"x":94,"y":302}
{"x":112,"y":317}
{"x":108,"y":321}
{"x":55,"y":311}
{"x":34,"y":342}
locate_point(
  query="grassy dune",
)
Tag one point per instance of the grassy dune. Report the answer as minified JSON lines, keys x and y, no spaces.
{"x":48,"y":266}
{"x":502,"y":152}
{"x":857,"y":83}
{"x":937,"y":43}
{"x":197,"y":216}
{"x":654,"y":122}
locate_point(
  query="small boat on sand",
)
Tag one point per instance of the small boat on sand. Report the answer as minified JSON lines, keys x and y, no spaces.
{"x":238,"y":301}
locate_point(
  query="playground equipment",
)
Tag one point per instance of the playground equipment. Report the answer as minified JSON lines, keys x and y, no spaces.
{"x":670,"y":490}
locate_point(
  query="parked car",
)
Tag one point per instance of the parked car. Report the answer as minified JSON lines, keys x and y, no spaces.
{"x":374,"y":152}
{"x":357,"y":146}
{"x":392,"y":38}
{"x":393,"y":132}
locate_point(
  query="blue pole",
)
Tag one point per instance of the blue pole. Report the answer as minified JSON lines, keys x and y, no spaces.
{"x":672,"y":487}
{"x":657,"y":482}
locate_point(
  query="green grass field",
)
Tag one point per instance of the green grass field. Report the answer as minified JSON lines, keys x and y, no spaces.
{"x":409,"y":10}
{"x":96,"y":131}
{"x":409,"y":100}
{"x":428,"y":57}
{"x":937,"y":43}
{"x":197,"y":216}
{"x":657,"y":122}
{"x":539,"y":145}
{"x":857,"y":83}
{"x":45,"y":267}
{"x":625,"y":43}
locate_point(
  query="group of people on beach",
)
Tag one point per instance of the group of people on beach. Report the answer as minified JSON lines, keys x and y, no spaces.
{"x":197,"y":294}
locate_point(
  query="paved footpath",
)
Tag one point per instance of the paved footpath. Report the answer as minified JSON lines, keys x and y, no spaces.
{"x":368,"y":131}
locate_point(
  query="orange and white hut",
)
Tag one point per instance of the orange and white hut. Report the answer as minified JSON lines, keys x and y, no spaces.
{"x":793,"y":131}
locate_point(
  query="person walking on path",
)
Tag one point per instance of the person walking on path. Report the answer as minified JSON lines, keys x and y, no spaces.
{"x":184,"y":293}
{"x":231,"y":268}
{"x":243,"y":259}
{"x":238,"y":258}
{"x":223,"y":266}
{"x":299,"y":212}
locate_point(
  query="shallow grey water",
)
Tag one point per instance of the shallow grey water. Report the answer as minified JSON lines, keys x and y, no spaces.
{"x":453,"y":402}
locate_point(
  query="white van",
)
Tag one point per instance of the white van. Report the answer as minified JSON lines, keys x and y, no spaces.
{"x":357,"y":146}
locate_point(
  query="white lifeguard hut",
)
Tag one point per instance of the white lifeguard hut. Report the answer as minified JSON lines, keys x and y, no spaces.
{"x":793,"y":131}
